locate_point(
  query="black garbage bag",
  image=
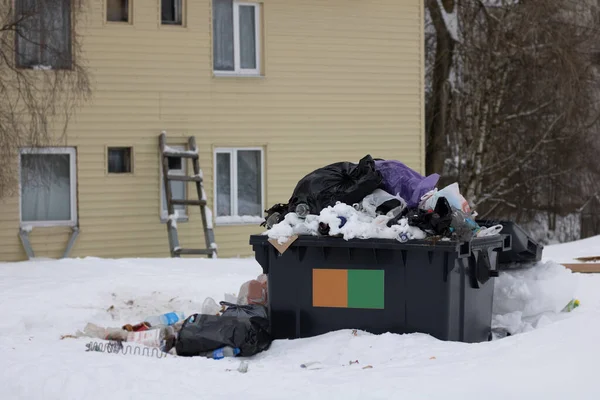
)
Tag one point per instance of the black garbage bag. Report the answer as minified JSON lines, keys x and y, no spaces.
{"x":203,"y":333}
{"x":249,"y":310}
{"x":437,"y":222}
{"x":343,"y":181}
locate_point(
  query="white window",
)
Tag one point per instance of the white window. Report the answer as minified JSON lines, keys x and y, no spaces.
{"x":236,"y":38}
{"x":177,"y":166}
{"x":239,"y":185}
{"x":48,"y":186}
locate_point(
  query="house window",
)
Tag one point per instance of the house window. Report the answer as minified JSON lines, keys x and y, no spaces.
{"x":48,"y":187}
{"x":236,"y":38}
{"x":172,"y":12}
{"x":239,"y":185}
{"x":120,"y":160}
{"x":177,"y":166}
{"x":43,"y":35}
{"x":117,"y":10}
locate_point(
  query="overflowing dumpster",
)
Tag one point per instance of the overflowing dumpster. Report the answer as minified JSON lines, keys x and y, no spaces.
{"x":321,"y":284}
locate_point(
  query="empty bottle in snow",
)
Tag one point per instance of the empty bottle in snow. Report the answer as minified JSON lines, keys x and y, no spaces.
{"x":221,"y":353}
{"x":165,"y":319}
{"x":302,"y":210}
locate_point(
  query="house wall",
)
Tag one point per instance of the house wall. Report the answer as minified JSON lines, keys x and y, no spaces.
{"x":342,"y":79}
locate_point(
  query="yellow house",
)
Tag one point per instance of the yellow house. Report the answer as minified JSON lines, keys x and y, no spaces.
{"x":271,"y":90}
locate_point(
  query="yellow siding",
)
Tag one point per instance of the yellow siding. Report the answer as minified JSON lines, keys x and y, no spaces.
{"x":341,"y":79}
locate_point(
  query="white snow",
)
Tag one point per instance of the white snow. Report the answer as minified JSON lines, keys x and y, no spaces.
{"x":175,"y":152}
{"x":568,"y":252}
{"x":450,"y":20}
{"x":209,"y":217}
{"x":526,"y":297}
{"x":173,"y":218}
{"x":554,"y":358}
{"x":239,"y":219}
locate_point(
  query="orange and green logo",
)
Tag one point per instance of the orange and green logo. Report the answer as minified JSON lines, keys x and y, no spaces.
{"x":348,"y":288}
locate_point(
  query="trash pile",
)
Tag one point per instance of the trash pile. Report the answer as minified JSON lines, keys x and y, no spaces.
{"x":217,"y":331}
{"x":375,"y":198}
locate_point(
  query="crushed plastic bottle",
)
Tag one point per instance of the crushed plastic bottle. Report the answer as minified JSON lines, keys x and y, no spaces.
{"x":221,"y":353}
{"x":165,"y":319}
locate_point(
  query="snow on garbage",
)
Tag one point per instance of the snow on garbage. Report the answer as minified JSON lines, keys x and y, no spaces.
{"x":383,"y":199}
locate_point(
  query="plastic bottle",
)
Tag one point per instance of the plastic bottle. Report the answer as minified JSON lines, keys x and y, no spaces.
{"x":165,"y":319}
{"x":221,"y":353}
{"x":302,"y":210}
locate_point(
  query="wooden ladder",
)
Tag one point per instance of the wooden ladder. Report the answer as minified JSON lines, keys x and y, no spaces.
{"x":191,"y":153}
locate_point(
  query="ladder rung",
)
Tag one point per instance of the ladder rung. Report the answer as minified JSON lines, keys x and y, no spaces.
{"x":195,"y":251}
{"x":184,"y":178}
{"x":179,"y":202}
{"x":182,"y":154}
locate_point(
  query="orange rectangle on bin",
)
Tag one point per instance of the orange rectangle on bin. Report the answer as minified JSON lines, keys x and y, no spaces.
{"x":330,"y":288}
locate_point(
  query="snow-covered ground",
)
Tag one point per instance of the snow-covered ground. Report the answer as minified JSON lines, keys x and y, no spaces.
{"x":567,"y":252}
{"x":552,"y":355}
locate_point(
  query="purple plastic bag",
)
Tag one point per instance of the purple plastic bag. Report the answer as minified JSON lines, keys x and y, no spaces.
{"x":405,"y":182}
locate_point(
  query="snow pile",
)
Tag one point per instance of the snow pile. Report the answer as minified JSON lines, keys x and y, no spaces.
{"x":528,"y":298}
{"x":346,"y":221}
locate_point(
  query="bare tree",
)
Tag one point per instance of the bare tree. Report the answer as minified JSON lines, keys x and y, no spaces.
{"x":522,"y":113}
{"x":43,"y":78}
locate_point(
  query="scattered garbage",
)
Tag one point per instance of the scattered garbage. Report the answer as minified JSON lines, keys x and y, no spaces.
{"x":254,"y":291}
{"x":221,"y":330}
{"x":573,"y":304}
{"x":165,"y":319}
{"x":243,"y":367}
{"x":375,"y":198}
{"x":202,"y":333}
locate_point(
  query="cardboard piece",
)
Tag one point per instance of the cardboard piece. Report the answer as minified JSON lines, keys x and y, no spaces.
{"x":584,"y":268}
{"x":283,"y":247}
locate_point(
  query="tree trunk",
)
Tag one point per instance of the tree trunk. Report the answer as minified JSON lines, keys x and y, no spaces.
{"x":436,"y":115}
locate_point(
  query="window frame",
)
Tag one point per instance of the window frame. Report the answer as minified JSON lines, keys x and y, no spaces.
{"x":181,"y":24}
{"x":232,"y":151}
{"x":237,"y":70}
{"x":41,"y":50}
{"x":122,"y":23}
{"x":72,"y":153}
{"x":164,"y":212}
{"x":131,"y":160}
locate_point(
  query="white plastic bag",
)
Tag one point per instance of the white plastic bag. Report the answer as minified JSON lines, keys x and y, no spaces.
{"x":451,"y":193}
{"x":379,"y":197}
{"x":210,"y":307}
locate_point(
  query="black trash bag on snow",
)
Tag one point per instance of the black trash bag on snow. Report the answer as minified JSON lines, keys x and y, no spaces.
{"x":249,"y":310}
{"x":203,"y":333}
{"x":343,"y":181}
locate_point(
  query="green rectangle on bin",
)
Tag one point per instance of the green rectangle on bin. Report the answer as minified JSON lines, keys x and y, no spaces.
{"x":365,"y":288}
